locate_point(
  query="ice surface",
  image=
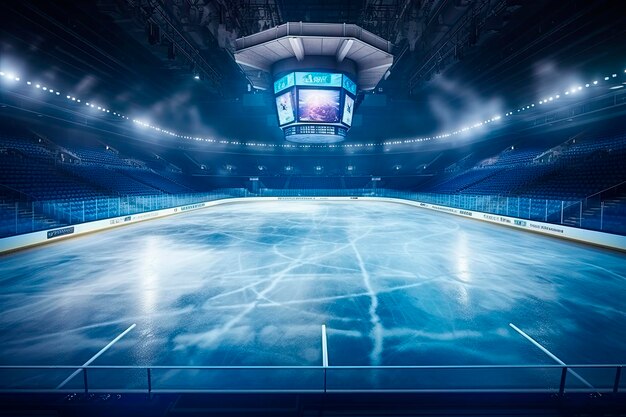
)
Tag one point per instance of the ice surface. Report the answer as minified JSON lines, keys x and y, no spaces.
{"x":252,"y":283}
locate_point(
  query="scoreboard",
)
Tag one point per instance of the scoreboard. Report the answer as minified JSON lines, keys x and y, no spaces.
{"x":314,"y":107}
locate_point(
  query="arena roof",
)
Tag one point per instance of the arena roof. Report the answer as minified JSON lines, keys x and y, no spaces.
{"x":172,"y":63}
{"x":371,"y":54}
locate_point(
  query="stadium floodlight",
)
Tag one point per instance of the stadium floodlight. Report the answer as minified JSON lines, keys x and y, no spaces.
{"x":573,"y":90}
{"x":196,"y":77}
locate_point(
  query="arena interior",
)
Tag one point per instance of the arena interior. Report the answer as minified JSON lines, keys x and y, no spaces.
{"x":313,"y":207}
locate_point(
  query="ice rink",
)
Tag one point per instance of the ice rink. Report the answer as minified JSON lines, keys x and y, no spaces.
{"x":252,"y":283}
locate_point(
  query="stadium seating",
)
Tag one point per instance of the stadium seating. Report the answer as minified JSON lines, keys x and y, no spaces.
{"x":25,"y":147}
{"x":277,"y":183}
{"x":318,"y":183}
{"x":107,"y":178}
{"x":40,"y":180}
{"x":154,"y":180}
{"x":357,"y":182}
{"x":80,"y":180}
{"x":465,"y":179}
{"x":98,"y":156}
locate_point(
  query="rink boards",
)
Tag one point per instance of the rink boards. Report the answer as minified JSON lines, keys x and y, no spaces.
{"x":593,"y":237}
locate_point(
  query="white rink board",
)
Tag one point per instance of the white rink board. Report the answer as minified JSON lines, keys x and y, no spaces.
{"x":572,"y":233}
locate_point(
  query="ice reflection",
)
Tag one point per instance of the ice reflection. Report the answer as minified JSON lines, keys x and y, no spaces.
{"x":252,"y":283}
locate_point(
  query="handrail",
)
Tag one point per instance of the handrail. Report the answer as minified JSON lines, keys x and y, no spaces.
{"x":607,"y":189}
{"x":318,"y":367}
{"x":14,"y":191}
{"x":611,"y":384}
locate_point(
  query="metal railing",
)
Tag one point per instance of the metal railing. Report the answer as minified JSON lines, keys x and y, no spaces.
{"x":18,"y":217}
{"x":605,"y":378}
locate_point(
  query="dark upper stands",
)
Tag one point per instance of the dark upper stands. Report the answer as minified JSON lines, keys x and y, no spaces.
{"x":463,"y":180}
{"x":41,"y":180}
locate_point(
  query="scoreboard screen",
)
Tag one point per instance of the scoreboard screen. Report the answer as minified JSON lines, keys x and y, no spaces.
{"x":348,"y":110}
{"x":285,"y":108}
{"x":315,"y":105}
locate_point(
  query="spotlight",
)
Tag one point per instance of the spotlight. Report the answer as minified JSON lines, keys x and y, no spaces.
{"x":196,"y":77}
